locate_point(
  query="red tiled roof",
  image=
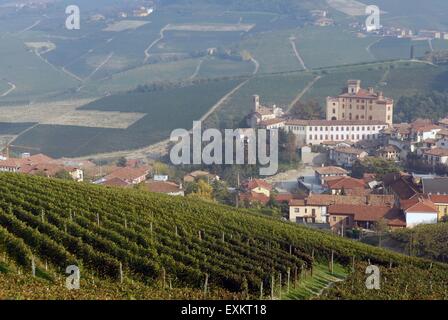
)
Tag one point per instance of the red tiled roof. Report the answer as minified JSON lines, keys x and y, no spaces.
{"x":258,"y":183}
{"x":439,"y":198}
{"x":115,"y":182}
{"x":365,"y":213}
{"x":323,"y":123}
{"x":437,"y":152}
{"x":419,"y":205}
{"x":284,"y":197}
{"x":271,"y":122}
{"x":346,"y":183}
{"x":254,"y":197}
{"x":163,"y":187}
{"x":128,"y":174}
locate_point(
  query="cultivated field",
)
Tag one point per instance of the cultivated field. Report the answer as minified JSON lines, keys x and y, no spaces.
{"x":125,"y":25}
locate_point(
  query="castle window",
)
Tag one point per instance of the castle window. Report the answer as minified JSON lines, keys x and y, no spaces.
{"x":370,"y":117}
{"x":334,"y":110}
{"x":357,"y":117}
{"x":362,"y":117}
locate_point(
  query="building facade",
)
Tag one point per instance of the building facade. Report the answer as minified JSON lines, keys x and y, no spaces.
{"x":355,"y":103}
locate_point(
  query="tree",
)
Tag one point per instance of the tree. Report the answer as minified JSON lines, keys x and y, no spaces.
{"x":121,"y":162}
{"x":380,"y":227}
{"x":63,"y":174}
{"x":200,"y":189}
{"x":310,"y":110}
{"x":378,"y":166}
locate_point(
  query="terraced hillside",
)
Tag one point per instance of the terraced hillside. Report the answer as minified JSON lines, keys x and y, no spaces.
{"x":162,"y":243}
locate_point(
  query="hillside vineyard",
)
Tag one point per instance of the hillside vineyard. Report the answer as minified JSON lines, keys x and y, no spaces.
{"x":106,"y":230}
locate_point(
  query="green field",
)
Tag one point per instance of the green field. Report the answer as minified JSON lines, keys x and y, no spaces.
{"x":168,"y":245}
{"x":393,"y":48}
{"x":165,"y":111}
{"x":275,"y":89}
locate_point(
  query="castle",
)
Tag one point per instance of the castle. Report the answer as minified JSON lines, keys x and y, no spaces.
{"x":355,"y":103}
{"x":262,"y":113}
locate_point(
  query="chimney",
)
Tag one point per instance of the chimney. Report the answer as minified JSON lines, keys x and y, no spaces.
{"x":256,"y":102}
{"x":371,"y":90}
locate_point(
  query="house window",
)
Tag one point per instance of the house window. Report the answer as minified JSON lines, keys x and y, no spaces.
{"x":334,"y":219}
{"x":297,"y":210}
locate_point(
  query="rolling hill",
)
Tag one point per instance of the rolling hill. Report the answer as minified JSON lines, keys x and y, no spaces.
{"x":168,"y":247}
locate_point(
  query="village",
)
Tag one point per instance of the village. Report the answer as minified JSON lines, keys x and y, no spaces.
{"x":332,"y":189}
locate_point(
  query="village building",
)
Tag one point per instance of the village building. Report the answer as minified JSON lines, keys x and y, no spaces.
{"x":314,"y":208}
{"x":262,"y":114}
{"x":324,"y":172}
{"x":200,"y":174}
{"x":389,"y":152}
{"x":165,"y":187}
{"x":441,"y":202}
{"x":435,"y":156}
{"x":131,"y":176}
{"x":347,"y":186}
{"x":402,"y":186}
{"x":318,"y":132}
{"x":355,"y":103}
{"x":346,"y":157}
{"x":419,"y":210}
{"x":435,"y":185}
{"x":347,"y":216}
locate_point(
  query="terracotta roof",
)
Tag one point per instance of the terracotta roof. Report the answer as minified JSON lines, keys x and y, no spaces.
{"x":254,"y":197}
{"x":115,"y":182}
{"x":443,"y":132}
{"x":327,"y":199}
{"x":437,"y":152}
{"x":258,"y":183}
{"x":32,"y":160}
{"x":128,"y":174}
{"x":333,"y":122}
{"x":284,"y":197}
{"x":444,"y":121}
{"x":163,"y":187}
{"x":439,"y":198}
{"x":366,"y":213}
{"x":346,"y":183}
{"x":419,"y":205}
{"x":49,"y":169}
{"x":330,"y":170}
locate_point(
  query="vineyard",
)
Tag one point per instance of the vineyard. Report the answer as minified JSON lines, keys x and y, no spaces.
{"x":135,"y":244}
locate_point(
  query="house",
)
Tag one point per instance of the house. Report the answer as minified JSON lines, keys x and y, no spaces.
{"x":346,"y":186}
{"x":166,"y":187}
{"x":346,"y":157}
{"x":355,"y":103}
{"x":199,"y":174}
{"x":329,"y":171}
{"x":389,"y":152}
{"x":116,"y":182}
{"x":401,"y":185}
{"x":435,"y":156}
{"x":314,"y":208}
{"x":252,"y":198}
{"x":419,"y":210}
{"x":258,"y":186}
{"x":128,"y":175}
{"x":349,"y":216}
{"x":441,"y":202}
{"x":442,"y":139}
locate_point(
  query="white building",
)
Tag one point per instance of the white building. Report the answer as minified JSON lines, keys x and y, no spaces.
{"x":316,"y":132}
{"x":346,"y":157}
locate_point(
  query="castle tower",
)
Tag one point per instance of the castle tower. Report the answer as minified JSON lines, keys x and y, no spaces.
{"x":353,"y":86}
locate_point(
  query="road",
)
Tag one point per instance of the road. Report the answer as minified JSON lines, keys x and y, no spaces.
{"x":13,"y":87}
{"x":198,"y":68}
{"x":296,"y":52}
{"x":302,"y":93}
{"x":162,"y":36}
